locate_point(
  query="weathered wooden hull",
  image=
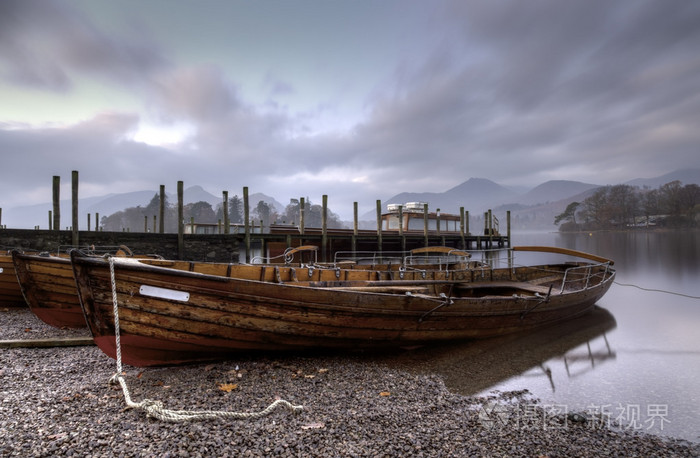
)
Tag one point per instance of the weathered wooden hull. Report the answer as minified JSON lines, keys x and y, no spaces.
{"x":10,"y":292}
{"x":225,"y":314}
{"x":48,"y":286}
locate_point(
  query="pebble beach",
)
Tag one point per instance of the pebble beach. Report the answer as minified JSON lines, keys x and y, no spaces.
{"x":58,"y":401}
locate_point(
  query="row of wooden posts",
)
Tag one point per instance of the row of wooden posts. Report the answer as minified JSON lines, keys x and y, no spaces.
{"x":55,"y":215}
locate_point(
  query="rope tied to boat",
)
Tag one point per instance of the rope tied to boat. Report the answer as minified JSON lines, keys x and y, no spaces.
{"x":541,"y":300}
{"x":156,"y":409}
{"x":446,"y":300}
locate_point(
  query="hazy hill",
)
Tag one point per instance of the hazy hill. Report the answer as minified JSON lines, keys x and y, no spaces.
{"x":541,"y":216}
{"x":475,"y":194}
{"x":111,"y":203}
{"x":553,"y":191}
{"x":687,"y":176}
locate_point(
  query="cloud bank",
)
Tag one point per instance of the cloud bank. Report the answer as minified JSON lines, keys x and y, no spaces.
{"x":520,"y":93}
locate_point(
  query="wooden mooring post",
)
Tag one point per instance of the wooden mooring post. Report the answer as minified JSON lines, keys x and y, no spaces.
{"x":180,"y":221}
{"x":302,"y":212}
{"x":379,"y":226}
{"x":161,"y":210}
{"x":56,"y":203}
{"x":246,"y":222}
{"x":74,"y":200}
{"x":227,"y":224}
{"x":324,"y":228}
{"x":425,"y":224}
{"x":508,"y":226}
{"x":461,"y":228}
{"x":490,"y":228}
{"x":401,"y":236}
{"x":355,"y":227}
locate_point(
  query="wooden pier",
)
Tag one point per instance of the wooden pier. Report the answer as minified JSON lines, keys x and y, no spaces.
{"x":397,"y":231}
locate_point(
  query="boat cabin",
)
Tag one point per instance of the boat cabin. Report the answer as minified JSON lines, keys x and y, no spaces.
{"x":411,"y":217}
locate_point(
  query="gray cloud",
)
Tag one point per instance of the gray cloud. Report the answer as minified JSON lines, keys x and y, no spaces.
{"x":516,"y":92}
{"x":46,"y":44}
{"x":537,"y":91}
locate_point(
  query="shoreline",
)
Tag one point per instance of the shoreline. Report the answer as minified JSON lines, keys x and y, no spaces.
{"x":56,"y":401}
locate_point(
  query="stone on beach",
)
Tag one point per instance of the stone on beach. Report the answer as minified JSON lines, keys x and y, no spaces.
{"x":57,"y":401}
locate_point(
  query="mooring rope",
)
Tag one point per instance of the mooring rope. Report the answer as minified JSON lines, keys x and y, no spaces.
{"x":658,"y":290}
{"x":155,"y":409}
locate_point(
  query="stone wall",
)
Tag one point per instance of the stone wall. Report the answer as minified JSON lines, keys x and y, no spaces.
{"x":197,"y":247}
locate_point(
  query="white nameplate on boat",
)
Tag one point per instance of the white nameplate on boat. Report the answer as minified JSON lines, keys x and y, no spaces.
{"x":0,"y":270}
{"x":164,"y":293}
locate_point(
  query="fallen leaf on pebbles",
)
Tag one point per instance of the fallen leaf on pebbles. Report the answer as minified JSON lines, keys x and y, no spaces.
{"x":227,"y":387}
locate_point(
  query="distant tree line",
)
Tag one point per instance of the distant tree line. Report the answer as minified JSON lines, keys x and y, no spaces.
{"x":313,"y":215}
{"x":138,"y":218}
{"x":625,"y":206}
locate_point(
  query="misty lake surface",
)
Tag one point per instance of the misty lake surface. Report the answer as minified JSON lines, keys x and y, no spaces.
{"x":635,"y":359}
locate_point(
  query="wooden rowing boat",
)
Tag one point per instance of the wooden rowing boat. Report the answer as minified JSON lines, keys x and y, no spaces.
{"x":169,"y":315}
{"x":10,"y":292}
{"x":47,"y":284}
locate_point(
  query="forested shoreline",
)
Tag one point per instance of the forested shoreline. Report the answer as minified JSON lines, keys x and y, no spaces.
{"x":135,"y":218}
{"x":672,"y":205}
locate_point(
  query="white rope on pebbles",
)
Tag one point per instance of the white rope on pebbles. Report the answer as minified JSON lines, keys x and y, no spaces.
{"x":155,"y":409}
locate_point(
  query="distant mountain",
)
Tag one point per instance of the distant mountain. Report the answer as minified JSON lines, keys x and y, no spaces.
{"x":109,"y":204}
{"x":687,"y":176}
{"x":541,"y":216}
{"x":475,"y":194}
{"x":197,"y":194}
{"x":553,"y":191}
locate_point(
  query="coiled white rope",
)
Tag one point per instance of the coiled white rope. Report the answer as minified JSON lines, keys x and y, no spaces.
{"x":155,"y":409}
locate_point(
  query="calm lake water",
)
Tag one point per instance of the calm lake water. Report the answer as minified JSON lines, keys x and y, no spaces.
{"x":635,"y":359}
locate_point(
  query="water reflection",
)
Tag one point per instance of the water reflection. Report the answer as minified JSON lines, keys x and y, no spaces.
{"x":647,"y":356}
{"x":656,"y":338}
{"x":472,"y":367}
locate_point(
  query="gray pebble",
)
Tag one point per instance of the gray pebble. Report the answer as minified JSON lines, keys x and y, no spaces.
{"x":57,"y":402}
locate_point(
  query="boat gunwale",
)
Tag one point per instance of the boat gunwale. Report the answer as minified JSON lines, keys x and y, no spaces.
{"x":134,"y":265}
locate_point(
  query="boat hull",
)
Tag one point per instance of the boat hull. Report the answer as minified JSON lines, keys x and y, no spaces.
{"x":48,"y":287}
{"x":10,"y":292}
{"x":225,"y":315}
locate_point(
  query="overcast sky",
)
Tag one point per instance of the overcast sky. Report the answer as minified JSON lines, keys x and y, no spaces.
{"x":359,"y":100}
